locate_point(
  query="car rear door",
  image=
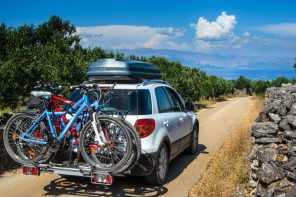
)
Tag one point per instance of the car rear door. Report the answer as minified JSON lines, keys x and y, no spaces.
{"x":183,"y":119}
{"x":167,"y":118}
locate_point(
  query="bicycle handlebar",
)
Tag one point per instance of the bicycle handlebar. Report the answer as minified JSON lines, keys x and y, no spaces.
{"x":55,"y":88}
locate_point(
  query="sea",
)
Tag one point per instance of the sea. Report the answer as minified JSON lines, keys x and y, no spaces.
{"x":254,"y":74}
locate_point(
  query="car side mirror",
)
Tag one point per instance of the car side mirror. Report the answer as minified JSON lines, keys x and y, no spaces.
{"x":189,"y":106}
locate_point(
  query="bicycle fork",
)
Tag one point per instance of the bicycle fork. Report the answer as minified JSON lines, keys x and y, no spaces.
{"x":100,"y":137}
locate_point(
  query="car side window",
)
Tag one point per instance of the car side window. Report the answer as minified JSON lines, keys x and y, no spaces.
{"x":176,"y":102}
{"x":163,"y":101}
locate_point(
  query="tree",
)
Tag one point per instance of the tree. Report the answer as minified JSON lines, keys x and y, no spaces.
{"x":260,"y":86}
{"x":242,"y":83}
{"x":279,"y":81}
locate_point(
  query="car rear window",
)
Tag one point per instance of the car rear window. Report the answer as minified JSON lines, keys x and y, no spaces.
{"x":136,"y":102}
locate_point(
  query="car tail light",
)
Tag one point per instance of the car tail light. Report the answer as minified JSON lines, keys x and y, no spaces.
{"x":31,"y":171}
{"x":145,"y":127}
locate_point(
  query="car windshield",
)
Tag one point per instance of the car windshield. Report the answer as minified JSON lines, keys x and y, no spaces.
{"x":135,"y":102}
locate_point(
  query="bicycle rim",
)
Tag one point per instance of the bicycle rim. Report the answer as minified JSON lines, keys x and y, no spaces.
{"x":112,"y":155}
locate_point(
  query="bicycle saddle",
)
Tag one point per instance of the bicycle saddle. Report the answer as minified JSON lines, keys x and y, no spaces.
{"x":40,"y":93}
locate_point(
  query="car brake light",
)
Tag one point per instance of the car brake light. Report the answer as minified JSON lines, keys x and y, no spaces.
{"x":31,"y":171}
{"x":145,"y":127}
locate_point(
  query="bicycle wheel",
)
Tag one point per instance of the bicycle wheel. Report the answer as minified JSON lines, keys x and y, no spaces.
{"x":115,"y":153}
{"x":19,"y":150}
{"x":136,"y":149}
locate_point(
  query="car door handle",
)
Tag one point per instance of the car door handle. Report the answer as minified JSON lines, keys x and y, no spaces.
{"x":181,"y":119}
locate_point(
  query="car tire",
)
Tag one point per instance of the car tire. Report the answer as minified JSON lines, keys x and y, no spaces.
{"x":160,"y":172}
{"x":192,"y":149}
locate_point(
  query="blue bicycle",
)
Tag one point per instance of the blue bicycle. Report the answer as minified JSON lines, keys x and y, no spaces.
{"x":106,"y":142}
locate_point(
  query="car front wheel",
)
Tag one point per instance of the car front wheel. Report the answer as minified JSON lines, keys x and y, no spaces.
{"x":192,"y":149}
{"x":160,"y":172}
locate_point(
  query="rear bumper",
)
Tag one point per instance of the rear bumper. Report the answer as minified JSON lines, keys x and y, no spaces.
{"x":145,"y":165}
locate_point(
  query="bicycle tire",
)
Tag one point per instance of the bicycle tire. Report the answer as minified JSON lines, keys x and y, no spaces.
{"x":92,"y":160}
{"x":136,"y":150}
{"x":22,"y":158}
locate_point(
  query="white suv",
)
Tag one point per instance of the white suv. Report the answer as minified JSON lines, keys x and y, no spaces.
{"x":165,"y":124}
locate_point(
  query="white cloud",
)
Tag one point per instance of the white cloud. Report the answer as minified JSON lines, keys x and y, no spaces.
{"x":282,"y":29}
{"x":219,"y":29}
{"x":129,"y":36}
{"x":216,"y":34}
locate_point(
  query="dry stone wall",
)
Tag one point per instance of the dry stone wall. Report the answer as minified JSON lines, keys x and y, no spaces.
{"x":273,"y":156}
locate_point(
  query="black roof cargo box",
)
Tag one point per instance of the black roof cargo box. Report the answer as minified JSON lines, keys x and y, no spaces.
{"x":114,"y":69}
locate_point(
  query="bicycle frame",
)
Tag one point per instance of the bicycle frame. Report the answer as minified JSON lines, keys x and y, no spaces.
{"x":80,"y":106}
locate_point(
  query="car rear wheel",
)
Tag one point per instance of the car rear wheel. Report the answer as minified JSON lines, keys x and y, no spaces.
{"x":160,"y":172}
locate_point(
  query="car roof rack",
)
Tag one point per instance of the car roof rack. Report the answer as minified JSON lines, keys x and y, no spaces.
{"x":154,"y":81}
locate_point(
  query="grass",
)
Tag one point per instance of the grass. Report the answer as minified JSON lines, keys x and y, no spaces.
{"x":229,"y":168}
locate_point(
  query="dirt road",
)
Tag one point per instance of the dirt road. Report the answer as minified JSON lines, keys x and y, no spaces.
{"x":216,"y":123}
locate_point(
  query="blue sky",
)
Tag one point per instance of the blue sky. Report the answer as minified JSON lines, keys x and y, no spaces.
{"x":253,"y":27}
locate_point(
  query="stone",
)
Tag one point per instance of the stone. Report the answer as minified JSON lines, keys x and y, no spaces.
{"x":291,"y":192}
{"x":282,"y":158}
{"x":262,"y":117}
{"x":261,"y":135}
{"x":288,"y":103}
{"x":267,"y":140}
{"x":253,"y":176}
{"x":266,"y":154}
{"x":283,"y":185}
{"x":290,"y":164}
{"x":274,"y":117}
{"x":290,"y":175}
{"x":292,"y":110}
{"x":282,"y":110}
{"x":260,"y":189}
{"x":284,"y":125}
{"x":255,"y":163}
{"x":289,"y":134}
{"x":291,"y":120}
{"x":280,"y":195}
{"x":272,"y":107}
{"x":253,"y":156}
{"x":252,"y":183}
{"x":283,"y":147}
{"x":269,"y":193}
{"x":268,"y":174}
{"x":265,"y":127}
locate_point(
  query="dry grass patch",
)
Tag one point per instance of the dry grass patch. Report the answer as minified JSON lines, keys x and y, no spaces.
{"x":204,"y":103}
{"x":229,"y":168}
{"x":207,"y":102}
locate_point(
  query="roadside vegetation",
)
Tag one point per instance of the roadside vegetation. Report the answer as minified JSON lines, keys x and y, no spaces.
{"x":51,"y":52}
{"x":6,"y":163}
{"x":228,"y":172}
